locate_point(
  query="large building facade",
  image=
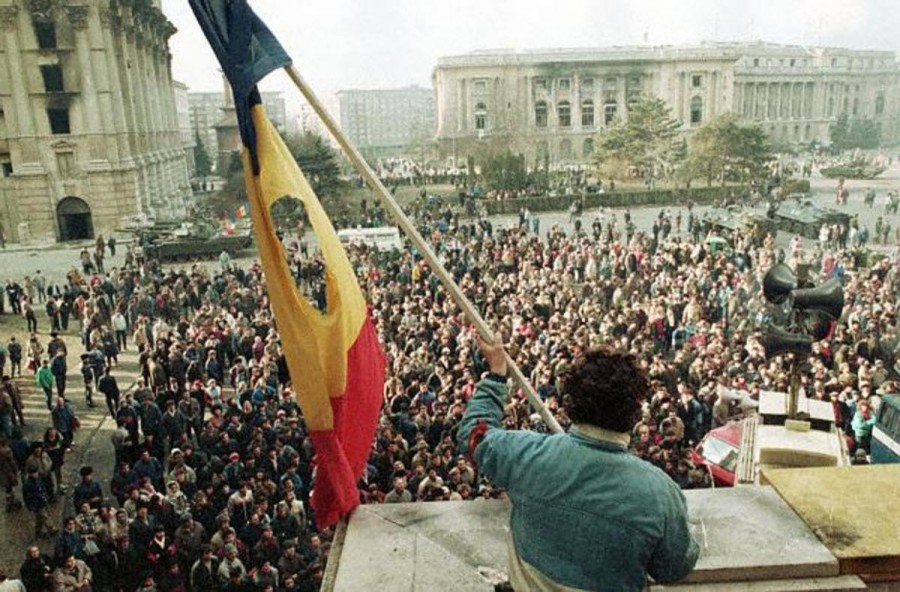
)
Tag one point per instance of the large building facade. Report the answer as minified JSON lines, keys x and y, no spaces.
{"x":88,"y":126}
{"x":387,"y":122}
{"x":549,"y":105}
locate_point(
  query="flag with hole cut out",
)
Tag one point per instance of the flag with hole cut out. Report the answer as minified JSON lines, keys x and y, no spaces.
{"x":335,"y":360}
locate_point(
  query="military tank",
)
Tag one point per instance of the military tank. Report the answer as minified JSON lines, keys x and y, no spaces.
{"x":805,"y":218}
{"x":853,"y":169}
{"x":731,"y":219}
{"x":197,"y":240}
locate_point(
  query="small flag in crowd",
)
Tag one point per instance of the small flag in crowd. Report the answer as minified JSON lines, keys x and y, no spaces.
{"x":335,"y":361}
{"x":241,"y":212}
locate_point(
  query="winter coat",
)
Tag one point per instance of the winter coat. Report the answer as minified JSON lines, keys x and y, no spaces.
{"x":9,"y":471}
{"x":34,"y":493}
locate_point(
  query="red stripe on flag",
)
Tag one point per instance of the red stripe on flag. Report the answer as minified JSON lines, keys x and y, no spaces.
{"x":341,"y":453}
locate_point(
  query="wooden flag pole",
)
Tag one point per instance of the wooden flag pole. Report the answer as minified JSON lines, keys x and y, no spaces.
{"x":406,"y":225}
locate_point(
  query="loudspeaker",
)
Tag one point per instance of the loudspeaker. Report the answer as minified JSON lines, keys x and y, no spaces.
{"x":827,"y":298}
{"x":817,"y":323}
{"x":778,"y":283}
{"x":778,"y":341}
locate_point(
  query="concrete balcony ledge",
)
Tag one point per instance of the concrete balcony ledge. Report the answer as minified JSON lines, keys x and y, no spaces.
{"x":750,"y":539}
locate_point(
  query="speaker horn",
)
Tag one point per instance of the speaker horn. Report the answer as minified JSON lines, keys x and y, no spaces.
{"x":778,"y":341}
{"x":778,"y":283}
{"x":827,"y":298}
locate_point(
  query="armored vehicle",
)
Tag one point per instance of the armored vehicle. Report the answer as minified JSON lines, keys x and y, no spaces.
{"x":805,"y":218}
{"x":197,"y":241}
{"x":853,"y":169}
{"x":726,"y":221}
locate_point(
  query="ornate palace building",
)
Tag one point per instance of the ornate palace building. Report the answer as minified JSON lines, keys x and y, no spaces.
{"x":89,"y":132}
{"x":550,"y":104}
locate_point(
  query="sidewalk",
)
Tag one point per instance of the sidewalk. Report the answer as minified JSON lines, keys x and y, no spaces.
{"x":89,"y":244}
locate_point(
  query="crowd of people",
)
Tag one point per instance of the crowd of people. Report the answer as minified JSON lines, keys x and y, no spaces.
{"x":213,"y":468}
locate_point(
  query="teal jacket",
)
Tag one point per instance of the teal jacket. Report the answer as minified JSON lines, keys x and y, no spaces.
{"x":44,"y":377}
{"x":586,"y":513}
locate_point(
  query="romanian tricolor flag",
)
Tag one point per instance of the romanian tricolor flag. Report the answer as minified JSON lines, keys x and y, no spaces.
{"x":335,"y":360}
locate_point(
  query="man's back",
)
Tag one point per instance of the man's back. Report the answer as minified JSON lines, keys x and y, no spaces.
{"x":586,"y":513}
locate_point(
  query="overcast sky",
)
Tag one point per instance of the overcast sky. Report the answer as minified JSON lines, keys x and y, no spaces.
{"x":340,"y":44}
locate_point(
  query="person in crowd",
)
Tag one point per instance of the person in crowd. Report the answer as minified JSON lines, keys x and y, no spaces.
{"x":65,"y":421}
{"x":45,"y":380}
{"x":37,"y":570}
{"x":59,"y":368}
{"x":15,"y":357}
{"x":12,"y":390}
{"x":9,"y":475}
{"x":110,"y":389}
{"x":36,"y":498}
{"x":54,"y":447}
{"x":72,"y":575}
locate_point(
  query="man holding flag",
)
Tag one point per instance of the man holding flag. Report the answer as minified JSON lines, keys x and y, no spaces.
{"x":334,"y":358}
{"x":587,"y":514}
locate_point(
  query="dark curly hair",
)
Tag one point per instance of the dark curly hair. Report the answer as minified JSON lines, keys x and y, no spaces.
{"x":605,"y":388}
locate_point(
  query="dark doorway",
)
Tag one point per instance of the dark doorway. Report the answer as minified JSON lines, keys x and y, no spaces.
{"x":74,"y":217}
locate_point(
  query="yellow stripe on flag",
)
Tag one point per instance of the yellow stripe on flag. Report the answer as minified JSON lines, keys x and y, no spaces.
{"x":315,"y":344}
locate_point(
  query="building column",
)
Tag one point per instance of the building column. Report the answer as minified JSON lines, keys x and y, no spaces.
{"x":23,"y":125}
{"x":116,"y":92}
{"x":459,"y":107}
{"x":78,"y":19}
{"x":802,"y":87}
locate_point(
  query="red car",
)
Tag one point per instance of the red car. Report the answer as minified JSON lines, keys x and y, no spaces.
{"x":719,"y":450}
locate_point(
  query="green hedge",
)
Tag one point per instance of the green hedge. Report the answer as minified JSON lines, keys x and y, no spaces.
{"x":792,"y":186}
{"x":616,"y":199}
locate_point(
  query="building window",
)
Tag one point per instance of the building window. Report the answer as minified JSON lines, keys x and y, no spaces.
{"x":696,"y":81}
{"x":564,"y":113}
{"x":45,"y":31}
{"x":480,"y":86}
{"x":59,"y":120}
{"x":565,"y":84}
{"x":793,"y":62}
{"x":588,"y":147}
{"x":756,"y":62}
{"x":834,"y":62}
{"x":879,"y":105}
{"x":6,"y":168}
{"x":53,"y":78}
{"x":855,"y":106}
{"x":565,"y":149}
{"x":587,"y":85}
{"x":480,"y":116}
{"x":696,"y":111}
{"x":540,"y":84}
{"x":540,"y":114}
{"x":587,"y":113}
{"x":609,"y":111}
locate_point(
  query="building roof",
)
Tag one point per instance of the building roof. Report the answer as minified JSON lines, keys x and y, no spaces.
{"x":707,"y":50}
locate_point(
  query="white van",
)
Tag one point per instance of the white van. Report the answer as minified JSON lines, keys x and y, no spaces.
{"x":383,"y":238}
